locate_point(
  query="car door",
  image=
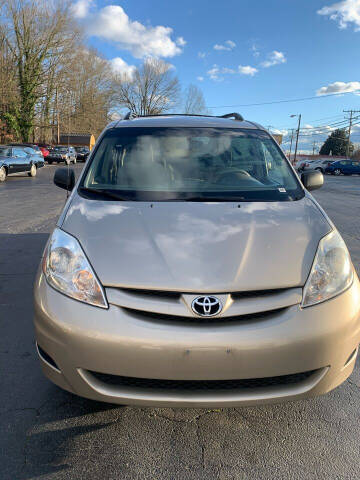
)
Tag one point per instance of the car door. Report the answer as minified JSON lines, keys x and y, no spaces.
{"x":355,"y":167}
{"x":33,"y":157}
{"x":18,"y":161}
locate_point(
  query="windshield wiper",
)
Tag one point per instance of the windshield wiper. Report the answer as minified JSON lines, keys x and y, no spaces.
{"x":103,"y":193}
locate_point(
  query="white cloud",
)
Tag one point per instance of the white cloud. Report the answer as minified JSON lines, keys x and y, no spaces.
{"x":274,"y":58}
{"x":201,"y":79}
{"x":276,"y":131}
{"x":247,"y":70}
{"x":181,"y":42}
{"x":345,"y":13}
{"x":113,"y":24}
{"x":339,"y":87}
{"x":202,"y":54}
{"x":216,"y":73}
{"x":120,"y":67}
{"x":228,"y":45}
{"x":80,"y":9}
{"x":255,"y":51}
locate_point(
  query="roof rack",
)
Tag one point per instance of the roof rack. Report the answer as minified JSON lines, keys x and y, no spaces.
{"x":235,"y":116}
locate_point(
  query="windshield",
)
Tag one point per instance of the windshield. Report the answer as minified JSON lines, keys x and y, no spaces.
{"x":209,"y":164}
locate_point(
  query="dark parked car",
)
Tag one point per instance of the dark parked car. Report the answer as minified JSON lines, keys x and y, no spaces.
{"x":82,"y":153}
{"x":345,"y":167}
{"x":61,"y":153}
{"x":15,"y":159}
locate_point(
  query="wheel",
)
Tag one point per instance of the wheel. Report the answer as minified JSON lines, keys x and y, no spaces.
{"x":319,"y":169}
{"x":33,"y":170}
{"x":337,"y":171}
{"x":3,"y":174}
{"x":49,"y":162}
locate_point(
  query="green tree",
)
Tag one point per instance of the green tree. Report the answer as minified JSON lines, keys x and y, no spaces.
{"x":39,"y":34}
{"x":336,"y":144}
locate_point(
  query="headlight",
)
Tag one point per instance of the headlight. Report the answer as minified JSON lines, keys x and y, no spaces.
{"x":67,"y":269}
{"x":331,"y":272}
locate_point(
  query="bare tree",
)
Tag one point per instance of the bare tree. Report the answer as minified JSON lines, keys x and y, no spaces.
{"x":39,"y":34}
{"x":152,"y":89}
{"x":88,"y":89}
{"x":194,"y":101}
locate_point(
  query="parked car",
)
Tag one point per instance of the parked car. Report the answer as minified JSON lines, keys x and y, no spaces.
{"x":18,"y":159}
{"x":345,"y":167}
{"x":61,"y":153}
{"x":45,"y":149}
{"x":35,"y":147}
{"x":82,"y":153}
{"x":192,"y":267}
{"x":320,"y":165}
{"x":300,"y":165}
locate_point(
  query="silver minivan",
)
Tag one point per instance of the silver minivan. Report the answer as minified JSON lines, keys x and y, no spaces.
{"x":191,"y":267}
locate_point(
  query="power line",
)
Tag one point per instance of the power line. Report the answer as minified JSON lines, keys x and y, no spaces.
{"x":286,"y":101}
{"x":286,"y":127}
{"x":325,"y":127}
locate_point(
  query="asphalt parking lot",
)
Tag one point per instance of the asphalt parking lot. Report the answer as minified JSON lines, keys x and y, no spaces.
{"x":46,"y":433}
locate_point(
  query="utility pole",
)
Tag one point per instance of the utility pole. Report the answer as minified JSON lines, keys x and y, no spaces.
{"x":314,"y":145}
{"x":351,"y":112}
{"x":291,"y":142}
{"x":297,"y":134}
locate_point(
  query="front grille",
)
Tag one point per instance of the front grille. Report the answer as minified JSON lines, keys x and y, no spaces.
{"x":256,"y":293}
{"x":158,"y":294}
{"x":161,"y":317}
{"x":202,"y":385}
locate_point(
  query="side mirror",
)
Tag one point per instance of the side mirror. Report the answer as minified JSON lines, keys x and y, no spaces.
{"x":64,"y":178}
{"x":312,"y":180}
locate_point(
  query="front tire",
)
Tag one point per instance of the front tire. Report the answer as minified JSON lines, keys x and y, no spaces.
{"x":50,"y":162}
{"x":33,"y":171}
{"x":3,"y":174}
{"x":337,"y":171}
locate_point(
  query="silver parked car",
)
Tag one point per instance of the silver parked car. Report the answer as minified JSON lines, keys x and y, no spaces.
{"x":320,"y":165}
{"x":61,"y":153}
{"x":190,"y":267}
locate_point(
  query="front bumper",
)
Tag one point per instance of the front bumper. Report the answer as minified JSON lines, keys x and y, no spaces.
{"x":82,"y":339}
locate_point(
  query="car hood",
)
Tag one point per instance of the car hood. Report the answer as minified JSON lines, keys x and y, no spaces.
{"x":206,"y":247}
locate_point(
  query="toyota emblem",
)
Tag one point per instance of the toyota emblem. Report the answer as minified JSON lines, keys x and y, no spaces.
{"x":206,"y":306}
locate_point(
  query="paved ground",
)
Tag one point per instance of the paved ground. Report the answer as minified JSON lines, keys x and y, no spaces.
{"x":49,"y":434}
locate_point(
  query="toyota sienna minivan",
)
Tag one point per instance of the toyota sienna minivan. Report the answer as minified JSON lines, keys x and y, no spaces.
{"x":191,"y":267}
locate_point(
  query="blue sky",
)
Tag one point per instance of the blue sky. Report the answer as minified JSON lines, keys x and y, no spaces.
{"x":242,"y":52}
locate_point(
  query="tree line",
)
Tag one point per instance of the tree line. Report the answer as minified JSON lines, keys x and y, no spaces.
{"x":51,"y":82}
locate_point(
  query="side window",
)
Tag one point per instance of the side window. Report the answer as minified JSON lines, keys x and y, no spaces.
{"x":356,"y":164}
{"x":343,"y":163}
{"x":18,"y":152}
